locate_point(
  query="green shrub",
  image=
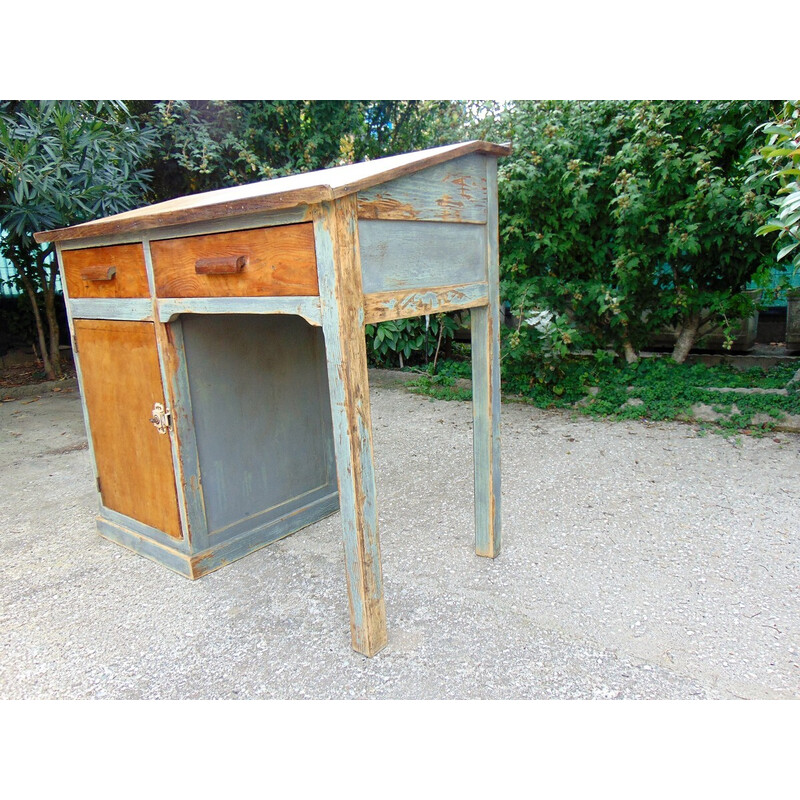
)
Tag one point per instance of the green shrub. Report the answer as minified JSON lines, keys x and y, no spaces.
{"x":410,"y":342}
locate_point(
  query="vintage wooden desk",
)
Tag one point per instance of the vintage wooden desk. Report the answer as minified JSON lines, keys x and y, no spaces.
{"x":220,"y":350}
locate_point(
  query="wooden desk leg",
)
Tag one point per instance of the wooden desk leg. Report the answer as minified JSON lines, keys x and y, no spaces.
{"x":486,"y":429}
{"x":341,"y":299}
{"x":486,"y":391}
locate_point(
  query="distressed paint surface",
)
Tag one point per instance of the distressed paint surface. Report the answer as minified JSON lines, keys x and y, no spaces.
{"x":187,"y":466}
{"x":420,"y":255}
{"x":336,"y":236}
{"x":486,"y":394}
{"x":278,"y":194}
{"x":267,"y":531}
{"x":129,"y":534}
{"x":103,"y":308}
{"x":261,"y":416}
{"x":144,"y":541}
{"x":305,"y":307}
{"x":383,"y":306}
{"x":451,"y":192}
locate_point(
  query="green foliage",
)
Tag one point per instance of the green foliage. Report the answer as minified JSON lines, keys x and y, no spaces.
{"x":625,"y":217}
{"x":556,"y":226}
{"x":64,"y":162}
{"x":652,"y":389}
{"x":406,"y":342}
{"x":440,"y":387}
{"x":61,"y":163}
{"x":538,"y":349}
{"x":781,"y":156}
{"x":211,"y":144}
{"x":682,"y":200}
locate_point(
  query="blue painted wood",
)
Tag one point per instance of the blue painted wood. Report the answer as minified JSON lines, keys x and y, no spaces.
{"x":261,"y":413}
{"x":420,"y":255}
{"x":188,"y":466}
{"x":305,"y":307}
{"x":126,"y":536}
{"x":454,"y":191}
{"x":136,"y":309}
{"x":486,"y":394}
{"x":265,"y":533}
{"x":401,"y":305}
{"x":336,"y":237}
{"x":77,"y":362}
{"x":145,"y":532}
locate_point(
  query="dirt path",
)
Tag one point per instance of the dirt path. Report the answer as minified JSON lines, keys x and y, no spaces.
{"x":639,"y":561}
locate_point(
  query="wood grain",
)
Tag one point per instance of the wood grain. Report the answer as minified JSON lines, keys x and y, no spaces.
{"x":121,"y":382}
{"x":305,"y":307}
{"x":273,"y":195}
{"x":451,"y":192}
{"x":133,"y":308}
{"x":129,"y":280}
{"x":278,"y":261}
{"x":485,"y":323}
{"x":383,"y":306}
{"x":343,"y":327}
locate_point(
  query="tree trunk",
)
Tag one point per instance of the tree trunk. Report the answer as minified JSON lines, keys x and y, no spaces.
{"x":48,"y":278}
{"x":689,"y":327}
{"x":44,"y":350}
{"x":53,"y":330}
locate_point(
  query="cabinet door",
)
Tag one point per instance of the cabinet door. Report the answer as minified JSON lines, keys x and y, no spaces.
{"x":121,"y":382}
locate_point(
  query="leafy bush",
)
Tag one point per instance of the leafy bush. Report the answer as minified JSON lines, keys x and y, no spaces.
{"x":407,"y":342}
{"x":782,"y":155}
{"x":625,"y":216}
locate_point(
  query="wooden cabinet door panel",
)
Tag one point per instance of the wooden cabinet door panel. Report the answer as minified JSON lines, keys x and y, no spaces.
{"x":121,"y":382}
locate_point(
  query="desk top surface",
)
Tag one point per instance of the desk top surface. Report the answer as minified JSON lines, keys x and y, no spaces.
{"x":272,"y":195}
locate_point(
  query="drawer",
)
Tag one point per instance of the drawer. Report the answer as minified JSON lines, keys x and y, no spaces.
{"x":273,"y":262}
{"x":116,"y":271}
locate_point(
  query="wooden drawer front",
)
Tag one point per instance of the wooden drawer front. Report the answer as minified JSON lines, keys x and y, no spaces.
{"x":116,"y":271}
{"x":270,"y":262}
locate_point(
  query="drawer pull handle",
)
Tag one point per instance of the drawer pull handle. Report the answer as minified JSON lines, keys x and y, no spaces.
{"x":220,"y":266}
{"x":98,"y":273}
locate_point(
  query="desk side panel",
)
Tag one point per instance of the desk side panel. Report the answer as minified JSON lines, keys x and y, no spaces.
{"x":454,"y":191}
{"x":400,"y":255}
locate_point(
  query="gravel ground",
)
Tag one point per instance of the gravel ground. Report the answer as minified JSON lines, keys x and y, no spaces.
{"x":639,"y":561}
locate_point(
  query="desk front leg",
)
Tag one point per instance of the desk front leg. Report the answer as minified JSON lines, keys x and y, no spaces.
{"x":343,"y":326}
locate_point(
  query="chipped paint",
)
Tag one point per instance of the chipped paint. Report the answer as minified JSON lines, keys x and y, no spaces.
{"x":385,"y":207}
{"x":381,"y":306}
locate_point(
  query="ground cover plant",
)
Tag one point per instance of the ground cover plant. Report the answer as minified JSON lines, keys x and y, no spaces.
{"x":651,"y":389}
